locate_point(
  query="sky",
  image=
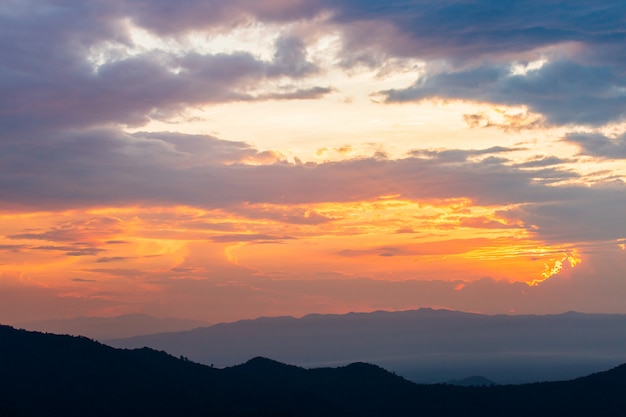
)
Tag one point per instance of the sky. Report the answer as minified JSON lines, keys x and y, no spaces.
{"x":219,"y":160}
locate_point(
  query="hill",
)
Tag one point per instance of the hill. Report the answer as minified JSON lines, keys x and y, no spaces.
{"x":425,"y":345}
{"x":52,"y":375}
{"x":472,"y":381}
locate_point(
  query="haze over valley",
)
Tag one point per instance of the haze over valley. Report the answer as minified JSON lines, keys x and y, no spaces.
{"x":427,"y":346}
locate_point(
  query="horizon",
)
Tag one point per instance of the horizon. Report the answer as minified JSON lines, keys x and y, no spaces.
{"x":297,"y":317}
{"x":229,"y":160}
{"x":424,"y":345}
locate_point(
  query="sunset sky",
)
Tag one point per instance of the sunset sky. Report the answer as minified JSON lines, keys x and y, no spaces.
{"x":229,"y":159}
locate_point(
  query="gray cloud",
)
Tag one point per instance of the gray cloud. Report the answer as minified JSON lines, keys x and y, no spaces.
{"x":162,"y":169}
{"x":75,"y":231}
{"x":108,"y":259}
{"x":13,"y":248}
{"x":48,"y":80}
{"x":596,"y":144}
{"x":52,"y":156}
{"x":596,"y":214}
{"x":168,"y":17}
{"x":83,"y":280}
{"x":477,"y":42}
{"x":466,"y":30}
{"x":297,"y":93}
{"x":563,"y":91}
{"x":71,"y":250}
{"x":543,"y":161}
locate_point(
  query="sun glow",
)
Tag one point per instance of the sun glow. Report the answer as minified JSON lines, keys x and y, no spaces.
{"x":555,"y":266}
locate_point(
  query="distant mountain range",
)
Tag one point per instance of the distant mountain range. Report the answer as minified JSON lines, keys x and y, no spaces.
{"x":102,"y":328}
{"x":423,"y":345}
{"x":45,"y":375}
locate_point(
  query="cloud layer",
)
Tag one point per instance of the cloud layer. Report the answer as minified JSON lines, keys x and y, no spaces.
{"x":99,"y":208}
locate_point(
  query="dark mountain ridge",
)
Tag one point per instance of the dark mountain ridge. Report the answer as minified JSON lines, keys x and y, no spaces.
{"x":52,"y":375}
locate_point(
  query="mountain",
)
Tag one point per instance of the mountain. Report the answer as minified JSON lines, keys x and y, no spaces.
{"x":423,"y":345}
{"x":472,"y":381}
{"x":45,"y":375}
{"x":102,"y":328}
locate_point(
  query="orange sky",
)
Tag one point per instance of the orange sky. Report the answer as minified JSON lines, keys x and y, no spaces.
{"x":246,"y":159}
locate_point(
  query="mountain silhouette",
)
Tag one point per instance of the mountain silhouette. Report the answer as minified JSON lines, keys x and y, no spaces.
{"x":424,"y":345}
{"x":45,"y":375}
{"x":472,"y":381}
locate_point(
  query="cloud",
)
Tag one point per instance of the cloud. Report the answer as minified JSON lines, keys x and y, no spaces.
{"x":486,"y":223}
{"x":328,"y":293}
{"x":291,"y":214}
{"x":175,"y":17}
{"x":465,"y":31}
{"x":460,"y":155}
{"x":83,"y":280}
{"x":57,"y":87}
{"x":596,"y":144}
{"x":290,"y":58}
{"x":441,"y":247}
{"x":541,"y":161}
{"x":71,"y":250}
{"x":108,"y":167}
{"x":562,"y":90}
{"x":108,"y":259}
{"x":65,"y":86}
{"x":586,"y":215}
{"x":24,"y":300}
{"x":290,"y":93}
{"x":514,"y":122}
{"x":256,"y":238}
{"x":76,"y":231}
{"x":333,"y":293}
{"x":74,"y":72}
{"x":12,"y":248}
